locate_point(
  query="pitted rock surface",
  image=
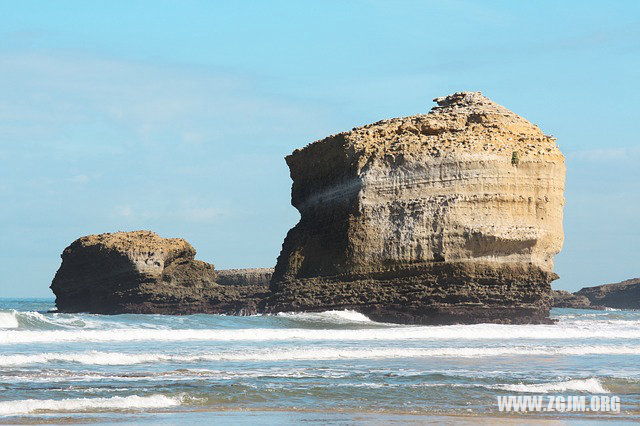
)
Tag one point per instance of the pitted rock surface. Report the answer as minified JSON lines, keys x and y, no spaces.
{"x":445,"y":217}
{"x":140,"y":272}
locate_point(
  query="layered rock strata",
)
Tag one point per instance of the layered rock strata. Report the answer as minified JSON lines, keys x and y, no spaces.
{"x":140,"y":272}
{"x":245,"y":277}
{"x":446,"y":217}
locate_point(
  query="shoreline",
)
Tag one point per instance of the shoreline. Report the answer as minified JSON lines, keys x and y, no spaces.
{"x":283,"y":415}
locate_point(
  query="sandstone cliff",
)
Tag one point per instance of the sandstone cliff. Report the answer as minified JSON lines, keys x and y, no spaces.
{"x":140,"y":272}
{"x":450,"y":216}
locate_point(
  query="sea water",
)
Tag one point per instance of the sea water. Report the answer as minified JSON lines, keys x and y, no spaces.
{"x":335,"y":366}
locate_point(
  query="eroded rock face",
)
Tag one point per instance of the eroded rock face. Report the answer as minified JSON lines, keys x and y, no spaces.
{"x":140,"y":272}
{"x":451,"y":216}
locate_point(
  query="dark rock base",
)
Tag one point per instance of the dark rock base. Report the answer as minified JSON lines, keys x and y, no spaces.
{"x":158,"y":298}
{"x":443,"y":294}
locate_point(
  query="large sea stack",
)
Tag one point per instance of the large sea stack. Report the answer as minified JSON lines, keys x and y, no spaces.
{"x":140,"y":272}
{"x":448,"y":217}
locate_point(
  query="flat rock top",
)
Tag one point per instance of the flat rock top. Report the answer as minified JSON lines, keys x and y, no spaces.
{"x":461,"y":122}
{"x":610,"y":288}
{"x":245,"y":271}
{"x":133,"y":242}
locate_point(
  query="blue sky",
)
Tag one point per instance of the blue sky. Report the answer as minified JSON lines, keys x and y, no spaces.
{"x":175,"y":116}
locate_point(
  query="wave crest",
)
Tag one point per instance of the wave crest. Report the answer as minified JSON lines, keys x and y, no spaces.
{"x":133,"y":402}
{"x":34,"y":321}
{"x":390,"y":333}
{"x":340,"y":317}
{"x":8,"y":320}
{"x":591,"y":385}
{"x":295,"y":354}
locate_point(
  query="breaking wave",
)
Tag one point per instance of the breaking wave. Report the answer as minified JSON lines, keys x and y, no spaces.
{"x":29,"y":320}
{"x":592,"y":385}
{"x":602,"y":330}
{"x":8,"y":320}
{"x":133,"y":402}
{"x":57,"y":366}
{"x":340,"y":317}
{"x":119,"y":358}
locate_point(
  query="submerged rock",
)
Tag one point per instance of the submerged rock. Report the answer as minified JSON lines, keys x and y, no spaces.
{"x":140,"y":272}
{"x":452,"y":216}
{"x":622,"y":295}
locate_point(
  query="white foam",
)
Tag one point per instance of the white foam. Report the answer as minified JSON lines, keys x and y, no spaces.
{"x":8,"y":320}
{"x":591,"y":385}
{"x":342,"y":317}
{"x":87,"y":358}
{"x":36,"y":320}
{"x":31,"y":319}
{"x":181,"y":374}
{"x":575,"y":330}
{"x":119,"y":358}
{"x":133,"y":402}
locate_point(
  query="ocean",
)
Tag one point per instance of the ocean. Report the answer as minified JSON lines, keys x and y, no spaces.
{"x":333,"y":367}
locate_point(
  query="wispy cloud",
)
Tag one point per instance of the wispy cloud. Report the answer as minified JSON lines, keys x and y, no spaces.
{"x":45,"y":94}
{"x":607,"y":154}
{"x":200,"y":214}
{"x":185,"y":210}
{"x":131,"y":141}
{"x":79,"y":179}
{"x":123,"y":211}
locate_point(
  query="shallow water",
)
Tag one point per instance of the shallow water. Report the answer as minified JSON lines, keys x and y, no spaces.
{"x":335,"y":366}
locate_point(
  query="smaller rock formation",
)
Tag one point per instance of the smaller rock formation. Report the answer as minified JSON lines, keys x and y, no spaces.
{"x":244,"y":277}
{"x":140,"y":272}
{"x":622,"y":295}
{"x":565,"y":299}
